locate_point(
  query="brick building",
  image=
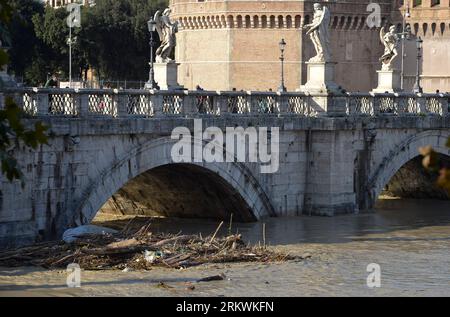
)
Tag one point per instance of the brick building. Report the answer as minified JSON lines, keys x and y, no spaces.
{"x":226,"y":44}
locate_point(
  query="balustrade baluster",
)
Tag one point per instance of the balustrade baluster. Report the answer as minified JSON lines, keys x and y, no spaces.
{"x":83,"y":104}
{"x":120,"y":103}
{"x":157,"y":101}
{"x":190,"y":105}
{"x":421,"y":104}
{"x":282,"y":102}
{"x":42,"y":104}
{"x":444,"y":101}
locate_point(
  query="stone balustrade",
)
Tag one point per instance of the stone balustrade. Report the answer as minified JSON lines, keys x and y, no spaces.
{"x":144,"y":103}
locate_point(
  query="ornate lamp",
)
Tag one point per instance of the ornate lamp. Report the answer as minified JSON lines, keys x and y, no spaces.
{"x":151,"y":24}
{"x":419,"y":45}
{"x":282,"y":46}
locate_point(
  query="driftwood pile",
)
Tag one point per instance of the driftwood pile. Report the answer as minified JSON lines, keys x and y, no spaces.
{"x":140,"y":250}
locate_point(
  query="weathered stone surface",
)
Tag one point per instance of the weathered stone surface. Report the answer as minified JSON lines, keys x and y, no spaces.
{"x":181,"y":190}
{"x":243,"y":36}
{"x":389,"y":81}
{"x":328,"y":166}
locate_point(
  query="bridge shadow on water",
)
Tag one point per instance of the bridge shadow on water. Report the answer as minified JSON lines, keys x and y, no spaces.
{"x":393,"y":220}
{"x":116,"y":282}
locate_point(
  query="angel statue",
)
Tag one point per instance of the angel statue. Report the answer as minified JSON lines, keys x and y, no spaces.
{"x":390,"y":41}
{"x":166,"y":31}
{"x":320,"y":36}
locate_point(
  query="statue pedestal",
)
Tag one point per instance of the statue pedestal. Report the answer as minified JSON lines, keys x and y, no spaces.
{"x":325,"y":92}
{"x":388,"y":81}
{"x":166,"y":76}
{"x":320,"y":78}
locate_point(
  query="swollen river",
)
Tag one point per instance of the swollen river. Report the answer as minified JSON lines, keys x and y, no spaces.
{"x":408,"y":239}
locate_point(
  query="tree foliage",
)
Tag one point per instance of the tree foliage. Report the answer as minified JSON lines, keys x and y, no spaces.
{"x":431,"y":162}
{"x":113,"y":40}
{"x":13,"y":133}
{"x":26,"y":48}
{"x":51,"y":28}
{"x":116,"y":38}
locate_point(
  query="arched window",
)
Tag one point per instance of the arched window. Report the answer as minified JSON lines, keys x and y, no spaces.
{"x":349,"y":23}
{"x":433,"y":28}
{"x":247,"y":21}
{"x":298,"y":21}
{"x":363,"y":23}
{"x":416,"y":28}
{"x":256,"y":21}
{"x":425,"y":29}
{"x":288,"y":21}
{"x":272,"y":21}
{"x":209,"y":23}
{"x":204,"y":25}
{"x":264,"y":21}
{"x":342,"y":23}
{"x":335,"y":23}
{"x":194,"y":22}
{"x":239,"y":21}
{"x":355,"y":23}
{"x":230,"y":21}
{"x":218,"y":22}
{"x":280,"y":21}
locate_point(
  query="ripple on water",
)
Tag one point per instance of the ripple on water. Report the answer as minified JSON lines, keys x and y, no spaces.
{"x":408,"y":239}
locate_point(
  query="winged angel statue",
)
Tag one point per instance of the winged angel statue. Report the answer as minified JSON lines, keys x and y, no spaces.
{"x":390,"y":41}
{"x":166,"y":31}
{"x":320,"y":36}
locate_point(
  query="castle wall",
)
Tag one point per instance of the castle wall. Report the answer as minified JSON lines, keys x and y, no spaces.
{"x":256,"y":66}
{"x":204,"y":59}
{"x":234,"y":44}
{"x":432,"y":23}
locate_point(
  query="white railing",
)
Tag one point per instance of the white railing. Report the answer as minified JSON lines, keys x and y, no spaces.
{"x":144,"y":103}
{"x":397,"y":104}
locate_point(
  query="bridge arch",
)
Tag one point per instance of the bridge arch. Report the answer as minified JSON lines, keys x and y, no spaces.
{"x":400,"y":155}
{"x":156,"y":154}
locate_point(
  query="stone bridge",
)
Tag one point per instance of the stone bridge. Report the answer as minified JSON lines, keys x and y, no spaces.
{"x":112,"y":149}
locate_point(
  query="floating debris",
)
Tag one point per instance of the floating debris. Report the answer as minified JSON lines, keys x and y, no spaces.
{"x":140,"y":250}
{"x":212,"y":278}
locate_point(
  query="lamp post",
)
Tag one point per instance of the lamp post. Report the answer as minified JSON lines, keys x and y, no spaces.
{"x":73,"y":21}
{"x":71,"y":41}
{"x":406,"y":33}
{"x":417,"y":88}
{"x":151,"y":24}
{"x":282,"y":46}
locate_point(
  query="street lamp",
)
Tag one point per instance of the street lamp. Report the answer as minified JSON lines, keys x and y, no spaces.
{"x":151,"y":24}
{"x":406,"y":33}
{"x":282,"y":46}
{"x":71,"y":41}
{"x":417,"y":88}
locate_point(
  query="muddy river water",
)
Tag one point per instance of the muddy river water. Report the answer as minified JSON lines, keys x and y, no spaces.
{"x":408,"y":239}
